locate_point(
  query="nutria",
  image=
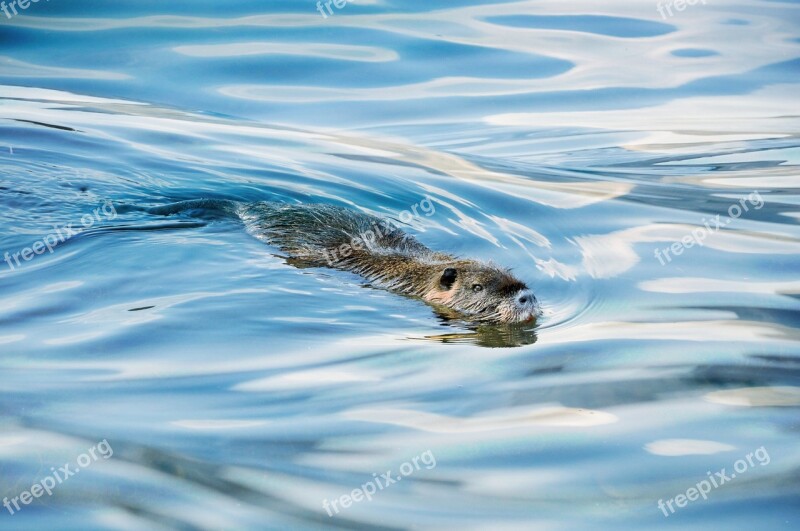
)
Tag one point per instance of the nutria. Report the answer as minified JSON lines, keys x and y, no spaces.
{"x":332,"y":236}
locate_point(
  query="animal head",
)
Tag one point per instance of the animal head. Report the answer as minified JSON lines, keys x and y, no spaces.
{"x":483,"y":293}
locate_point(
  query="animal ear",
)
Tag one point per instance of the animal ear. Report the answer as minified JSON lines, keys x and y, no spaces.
{"x":448,"y":277}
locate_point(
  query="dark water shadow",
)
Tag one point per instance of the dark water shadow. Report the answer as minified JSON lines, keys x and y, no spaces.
{"x":489,"y":335}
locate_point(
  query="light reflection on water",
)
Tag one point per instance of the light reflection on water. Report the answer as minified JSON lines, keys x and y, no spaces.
{"x":569,"y":141}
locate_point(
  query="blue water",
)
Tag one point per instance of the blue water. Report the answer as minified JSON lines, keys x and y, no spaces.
{"x":589,"y":146}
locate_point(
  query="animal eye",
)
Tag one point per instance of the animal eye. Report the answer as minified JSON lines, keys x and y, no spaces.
{"x":477,"y":287}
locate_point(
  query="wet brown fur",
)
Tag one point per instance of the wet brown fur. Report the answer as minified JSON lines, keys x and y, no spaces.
{"x":331,"y":236}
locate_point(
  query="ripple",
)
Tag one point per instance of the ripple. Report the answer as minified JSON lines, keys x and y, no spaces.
{"x":216,"y":424}
{"x":762,"y":111}
{"x":693,"y":52}
{"x":711,"y":285}
{"x":773,"y":396}
{"x":306,"y":379}
{"x":600,"y":25}
{"x":341,"y":52}
{"x":566,"y":141}
{"x":418,"y":420}
{"x":679,"y":447}
{"x":719,"y":330}
{"x":15,"y":68}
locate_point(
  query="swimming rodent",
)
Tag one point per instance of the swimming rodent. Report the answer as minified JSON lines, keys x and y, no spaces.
{"x":332,"y":236}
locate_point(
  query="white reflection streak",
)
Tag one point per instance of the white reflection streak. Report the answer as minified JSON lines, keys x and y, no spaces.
{"x":608,"y":255}
{"x":326,"y":50}
{"x":713,"y":285}
{"x":679,"y":447}
{"x":305,"y":379}
{"x":430,"y":422}
{"x":702,"y":331}
{"x":768,"y":396}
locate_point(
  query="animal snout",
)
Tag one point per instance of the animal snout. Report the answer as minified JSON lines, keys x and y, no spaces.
{"x":526,"y":301}
{"x":525,"y":297}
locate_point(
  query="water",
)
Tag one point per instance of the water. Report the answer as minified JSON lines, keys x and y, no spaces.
{"x":571,"y":141}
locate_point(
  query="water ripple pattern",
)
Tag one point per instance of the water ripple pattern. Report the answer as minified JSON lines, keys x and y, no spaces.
{"x":635,"y":162}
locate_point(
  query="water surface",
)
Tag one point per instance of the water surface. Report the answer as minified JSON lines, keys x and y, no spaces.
{"x":589,"y":146}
